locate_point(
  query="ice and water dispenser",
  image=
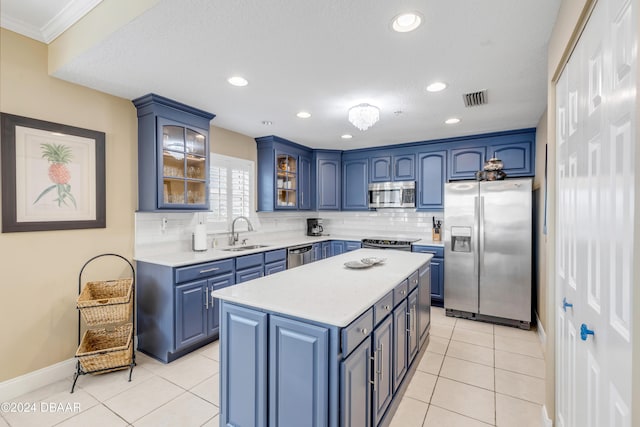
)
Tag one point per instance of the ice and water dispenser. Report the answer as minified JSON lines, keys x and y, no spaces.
{"x":461,"y":239}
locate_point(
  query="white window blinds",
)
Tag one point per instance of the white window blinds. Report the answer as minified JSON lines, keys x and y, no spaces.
{"x":231,"y":188}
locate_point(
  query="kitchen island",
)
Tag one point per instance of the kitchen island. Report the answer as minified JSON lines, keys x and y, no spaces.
{"x":322,"y":344}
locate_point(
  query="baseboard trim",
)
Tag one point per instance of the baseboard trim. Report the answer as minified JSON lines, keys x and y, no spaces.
{"x":26,"y":383}
{"x":542,"y":336}
{"x":545,"y":421}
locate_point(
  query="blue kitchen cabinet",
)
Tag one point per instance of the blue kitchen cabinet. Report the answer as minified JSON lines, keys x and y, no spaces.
{"x":380,"y":167}
{"x":355,"y":183}
{"x":249,"y":267}
{"x":412,"y":327}
{"x":350,"y":245}
{"x":217,"y":283}
{"x":465,"y":162}
{"x":273,"y":268}
{"x":316,"y":252}
{"x":397,"y":167}
{"x":399,"y":343}
{"x":243,"y":377}
{"x":517,"y":158}
{"x":284,"y":175}
{"x":298,"y":373}
{"x":274,"y":261}
{"x":173,"y":155}
{"x":356,"y":377}
{"x":437,"y":271}
{"x":249,"y":274}
{"x":337,"y":247}
{"x":383,"y":368}
{"x":327,"y":171}
{"x":192,"y":307}
{"x":432,"y":174}
{"x":424,"y":301}
{"x":404,"y":167}
{"x":326,"y":250}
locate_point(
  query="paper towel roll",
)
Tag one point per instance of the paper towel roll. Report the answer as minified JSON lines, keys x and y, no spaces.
{"x":199,"y":238}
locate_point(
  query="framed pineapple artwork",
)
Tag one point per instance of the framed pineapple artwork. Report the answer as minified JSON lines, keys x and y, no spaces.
{"x":53,"y":176}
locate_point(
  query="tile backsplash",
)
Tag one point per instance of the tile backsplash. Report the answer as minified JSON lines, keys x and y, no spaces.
{"x":162,"y":232}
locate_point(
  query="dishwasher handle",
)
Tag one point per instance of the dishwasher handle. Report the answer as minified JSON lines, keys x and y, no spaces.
{"x":300,"y":249}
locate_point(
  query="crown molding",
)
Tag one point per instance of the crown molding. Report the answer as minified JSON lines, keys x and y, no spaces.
{"x":21,"y":27}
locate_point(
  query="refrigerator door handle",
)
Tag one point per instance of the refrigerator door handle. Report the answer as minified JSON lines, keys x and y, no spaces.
{"x":481,"y":240}
{"x":475,"y":246}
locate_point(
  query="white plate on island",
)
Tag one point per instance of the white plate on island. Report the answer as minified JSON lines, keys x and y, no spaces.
{"x":373,"y":260}
{"x":356,"y":264}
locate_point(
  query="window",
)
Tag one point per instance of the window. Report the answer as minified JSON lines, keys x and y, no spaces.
{"x":230,"y":187}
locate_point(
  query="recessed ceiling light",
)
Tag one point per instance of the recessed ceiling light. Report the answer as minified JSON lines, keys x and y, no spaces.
{"x":267,"y":122}
{"x":346,"y":136}
{"x":406,"y":22}
{"x":303,"y":115}
{"x":238,"y":81}
{"x":436,"y":87}
{"x":452,"y":121}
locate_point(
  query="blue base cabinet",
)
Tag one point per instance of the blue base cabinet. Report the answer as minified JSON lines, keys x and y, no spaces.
{"x":399,"y":344}
{"x":355,"y":387}
{"x":326,"y":250}
{"x":383,"y":368}
{"x":424,"y":302}
{"x":437,"y":272}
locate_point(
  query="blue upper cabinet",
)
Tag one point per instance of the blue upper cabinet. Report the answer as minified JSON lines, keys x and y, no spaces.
{"x":432,"y":174}
{"x":400,"y":167}
{"x":516,"y":157}
{"x":173,"y":155}
{"x":327,"y":171}
{"x":355,"y":183}
{"x":465,"y":162}
{"x":284,"y":175}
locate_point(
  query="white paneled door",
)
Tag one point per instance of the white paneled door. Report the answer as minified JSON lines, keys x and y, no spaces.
{"x":596,"y":132}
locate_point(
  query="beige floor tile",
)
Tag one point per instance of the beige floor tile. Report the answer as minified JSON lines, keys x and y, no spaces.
{"x":472,"y":337}
{"x":46,"y":391}
{"x":474,"y":402}
{"x":148,"y":362}
{"x":431,"y":362}
{"x":209,"y":389}
{"x":212,"y":351}
{"x":66,"y":405}
{"x":520,"y":363}
{"x":439,"y":317}
{"x":98,"y":416}
{"x":511,"y":332}
{"x":438,"y":417}
{"x":520,"y":386}
{"x":441,"y":331}
{"x":437,"y":345}
{"x":143,"y":398}
{"x":185,"y":410}
{"x":515,"y":412}
{"x":471,"y":352}
{"x":213,"y":422}
{"x":421,"y":386}
{"x":410,"y":413}
{"x":189,"y":370}
{"x":474,"y":325}
{"x":105,"y":386}
{"x":468,"y":372}
{"x":515,"y":345}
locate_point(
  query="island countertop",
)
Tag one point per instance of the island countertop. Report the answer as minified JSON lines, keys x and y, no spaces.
{"x":326,"y":291}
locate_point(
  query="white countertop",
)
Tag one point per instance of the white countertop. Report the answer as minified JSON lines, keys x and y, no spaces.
{"x":182,"y":258}
{"x":326,"y":291}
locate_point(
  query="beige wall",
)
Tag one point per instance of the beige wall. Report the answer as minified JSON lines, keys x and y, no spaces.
{"x":232,"y":144}
{"x":539,"y":193}
{"x":38,"y":319}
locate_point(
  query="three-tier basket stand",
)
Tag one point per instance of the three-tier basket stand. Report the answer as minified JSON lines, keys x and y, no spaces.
{"x":108,"y":310}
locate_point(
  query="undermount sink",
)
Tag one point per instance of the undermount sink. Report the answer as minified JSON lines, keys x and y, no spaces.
{"x":244,"y":248}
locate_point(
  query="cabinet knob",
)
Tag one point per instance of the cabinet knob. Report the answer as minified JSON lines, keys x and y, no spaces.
{"x":387,"y":307}
{"x":403,"y":292}
{"x":364,"y":331}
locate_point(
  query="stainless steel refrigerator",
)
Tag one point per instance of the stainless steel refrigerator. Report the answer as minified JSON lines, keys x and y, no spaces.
{"x":487,"y":239}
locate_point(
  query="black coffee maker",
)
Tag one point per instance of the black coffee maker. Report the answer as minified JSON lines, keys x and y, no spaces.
{"x":314,"y":227}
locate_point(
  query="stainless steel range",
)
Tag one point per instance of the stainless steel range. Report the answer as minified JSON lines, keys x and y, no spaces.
{"x":399,"y":243}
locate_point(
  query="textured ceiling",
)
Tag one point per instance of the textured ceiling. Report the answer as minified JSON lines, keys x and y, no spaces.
{"x":326,"y":56}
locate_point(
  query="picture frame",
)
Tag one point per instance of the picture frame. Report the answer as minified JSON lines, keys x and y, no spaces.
{"x":53,"y":176}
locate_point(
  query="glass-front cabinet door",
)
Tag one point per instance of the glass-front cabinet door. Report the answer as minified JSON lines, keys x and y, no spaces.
{"x":286,"y":181}
{"x":183,"y":166}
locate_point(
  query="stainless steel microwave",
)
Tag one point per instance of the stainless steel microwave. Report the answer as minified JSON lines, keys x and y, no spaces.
{"x":399,"y":194}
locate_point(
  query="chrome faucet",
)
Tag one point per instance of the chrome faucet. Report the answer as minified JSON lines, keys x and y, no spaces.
{"x":233,"y":238}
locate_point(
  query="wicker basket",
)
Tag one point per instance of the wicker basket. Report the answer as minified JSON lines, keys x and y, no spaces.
{"x":106,"y":302}
{"x":106,"y":350}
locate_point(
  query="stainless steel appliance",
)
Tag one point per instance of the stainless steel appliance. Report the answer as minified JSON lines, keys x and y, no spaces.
{"x":487,"y":240}
{"x":400,"y":244}
{"x":398,"y":194}
{"x":299,"y":255}
{"x":314,"y":227}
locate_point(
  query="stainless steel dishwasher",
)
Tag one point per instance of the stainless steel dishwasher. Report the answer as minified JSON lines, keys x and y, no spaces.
{"x":299,"y":255}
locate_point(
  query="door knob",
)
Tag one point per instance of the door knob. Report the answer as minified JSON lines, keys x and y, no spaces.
{"x":584,"y":331}
{"x":565,"y":304}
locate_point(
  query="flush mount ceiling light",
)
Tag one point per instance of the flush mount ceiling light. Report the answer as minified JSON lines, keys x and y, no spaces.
{"x":452,"y":121}
{"x":346,"y":136}
{"x":406,"y":22}
{"x":436,"y":87}
{"x":364,"y":116}
{"x":238,"y":81}
{"x":303,"y":115}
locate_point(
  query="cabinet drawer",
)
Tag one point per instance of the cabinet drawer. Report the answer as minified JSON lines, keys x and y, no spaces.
{"x":400,"y":291}
{"x":437,"y":251}
{"x":275,"y":267}
{"x":413,"y":281}
{"x":351,"y":246}
{"x":248,"y":261}
{"x":273,"y":256}
{"x":184,"y":274}
{"x":383,"y":307}
{"x":356,"y":332}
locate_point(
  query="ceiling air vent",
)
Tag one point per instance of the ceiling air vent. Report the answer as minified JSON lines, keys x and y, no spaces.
{"x":474,"y":99}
